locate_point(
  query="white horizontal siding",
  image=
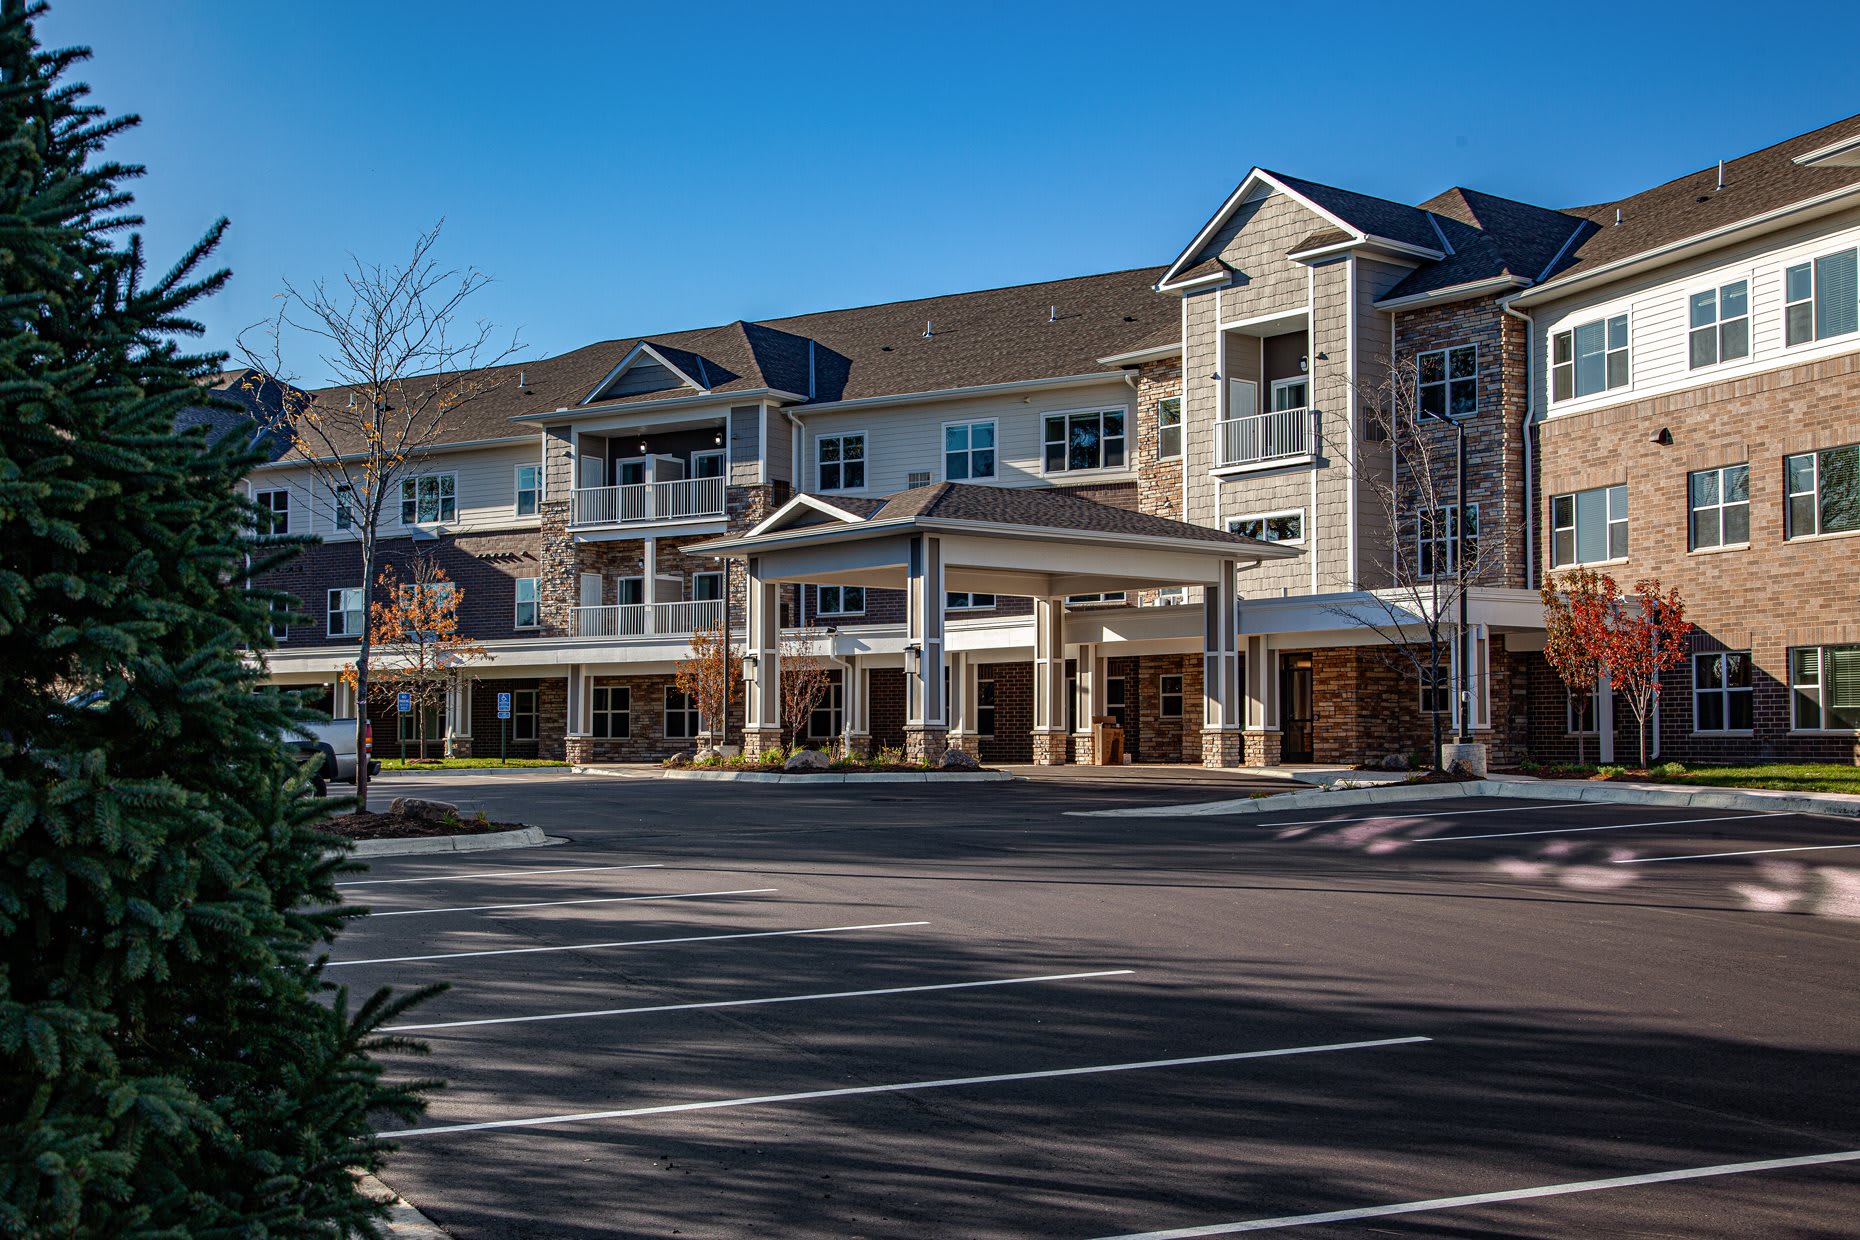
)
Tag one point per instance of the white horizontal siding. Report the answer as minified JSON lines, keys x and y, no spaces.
{"x":485,"y":491}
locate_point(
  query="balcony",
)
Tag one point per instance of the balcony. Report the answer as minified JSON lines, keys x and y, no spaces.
{"x":642,"y":503}
{"x":1254,"y":439}
{"x":648,"y":619}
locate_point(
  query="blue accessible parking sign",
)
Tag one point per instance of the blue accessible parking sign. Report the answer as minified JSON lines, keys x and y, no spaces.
{"x":503,"y":706}
{"x":403,"y":702}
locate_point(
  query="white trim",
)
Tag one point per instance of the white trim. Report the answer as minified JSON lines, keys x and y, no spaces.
{"x":1098,"y":471}
{"x":1831,"y":153}
{"x":517,"y":489}
{"x":942,"y":473}
{"x":1452,"y":292}
{"x":517,"y":602}
{"x":984,"y":389}
{"x":802,"y":501}
{"x":1303,"y":526}
{"x":812,"y":462}
{"x":400,"y":510}
{"x":842,"y":610}
{"x":731,"y":399}
{"x":1351,"y":478}
{"x":626,"y":364}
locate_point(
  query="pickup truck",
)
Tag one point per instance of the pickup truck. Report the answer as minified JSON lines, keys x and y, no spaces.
{"x":335,"y":741}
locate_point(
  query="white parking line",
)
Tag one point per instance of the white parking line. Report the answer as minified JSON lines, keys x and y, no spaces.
{"x":724,"y":1003}
{"x":1748,"y":852}
{"x":1445,"y":813}
{"x":582,"y":947}
{"x":1617,"y":826}
{"x":488,"y":908}
{"x":1478,"y":1199}
{"x":767,"y":1099}
{"x":443,"y":878}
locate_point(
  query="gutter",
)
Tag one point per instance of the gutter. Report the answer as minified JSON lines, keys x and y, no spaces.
{"x":984,"y":389}
{"x":578,"y":412}
{"x":1138,"y":356}
{"x":1453,"y":292}
{"x":464,"y":445}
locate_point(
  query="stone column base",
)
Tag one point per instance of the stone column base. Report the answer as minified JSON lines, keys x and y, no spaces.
{"x":578,"y":750}
{"x":1049,"y":748}
{"x":924,"y":743}
{"x":1472,"y":755}
{"x":1219,"y":748}
{"x":1260,"y":748}
{"x":458,"y":747}
{"x":968,"y":742}
{"x":859,"y":747}
{"x":758,"y":741}
{"x":1083,"y":748}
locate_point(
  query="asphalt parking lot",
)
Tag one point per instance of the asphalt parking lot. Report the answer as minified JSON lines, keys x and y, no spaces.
{"x":905,"y":1011}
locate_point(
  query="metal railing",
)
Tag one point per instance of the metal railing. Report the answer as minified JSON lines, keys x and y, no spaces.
{"x":648,"y":619}
{"x":641,"y":502}
{"x":1255,"y":437}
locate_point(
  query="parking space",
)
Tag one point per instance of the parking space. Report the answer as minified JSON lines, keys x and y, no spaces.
{"x":917,"y":1011}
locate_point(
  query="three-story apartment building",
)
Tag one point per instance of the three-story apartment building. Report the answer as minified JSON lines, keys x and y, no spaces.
{"x":1663,"y":385}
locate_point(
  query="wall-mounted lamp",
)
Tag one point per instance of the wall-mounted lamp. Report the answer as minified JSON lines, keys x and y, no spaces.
{"x":913,"y":653}
{"x":1304,"y":363}
{"x":642,"y":447}
{"x":749,"y":667}
{"x":717,"y":438}
{"x":1663,"y":437}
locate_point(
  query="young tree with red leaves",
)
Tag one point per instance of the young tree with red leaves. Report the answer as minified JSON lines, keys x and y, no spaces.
{"x":419,"y":649}
{"x":705,"y":674}
{"x":1647,"y":634}
{"x":1577,"y":605}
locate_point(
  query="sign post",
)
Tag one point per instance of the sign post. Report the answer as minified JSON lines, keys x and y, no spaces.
{"x":403,"y":702}
{"x":503,"y":729}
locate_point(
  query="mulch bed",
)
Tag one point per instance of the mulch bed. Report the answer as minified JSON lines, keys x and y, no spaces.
{"x":406,"y":826}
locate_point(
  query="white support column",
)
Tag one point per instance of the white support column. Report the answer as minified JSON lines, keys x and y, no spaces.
{"x":1088,"y":703}
{"x":856,"y":724}
{"x":342,"y":700}
{"x":649,"y":588}
{"x":762,"y":665}
{"x":1260,"y":743}
{"x":1049,"y":682}
{"x":926,"y":718}
{"x":1220,"y":673}
{"x":957,"y":704}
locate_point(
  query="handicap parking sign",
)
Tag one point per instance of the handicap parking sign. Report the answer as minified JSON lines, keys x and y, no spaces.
{"x":503,"y":706}
{"x":403,"y":702}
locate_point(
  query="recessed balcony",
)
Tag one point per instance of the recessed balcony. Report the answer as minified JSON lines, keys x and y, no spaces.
{"x":645,"y":503}
{"x":1261,"y":439}
{"x":648,"y":619}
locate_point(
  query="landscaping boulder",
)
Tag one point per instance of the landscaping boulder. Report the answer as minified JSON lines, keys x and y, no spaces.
{"x":420,"y":807}
{"x":807,"y":760}
{"x":707,"y":753}
{"x":1394,"y":762}
{"x":679,"y":760}
{"x":954,"y":759}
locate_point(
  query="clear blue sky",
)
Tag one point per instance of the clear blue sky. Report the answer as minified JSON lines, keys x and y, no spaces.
{"x":622,"y":169}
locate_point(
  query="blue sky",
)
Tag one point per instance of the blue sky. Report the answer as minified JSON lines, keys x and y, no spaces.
{"x":623,"y":169}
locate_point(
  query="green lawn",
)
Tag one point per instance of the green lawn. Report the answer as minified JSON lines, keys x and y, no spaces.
{"x":462,"y":764}
{"x":1784,"y":776}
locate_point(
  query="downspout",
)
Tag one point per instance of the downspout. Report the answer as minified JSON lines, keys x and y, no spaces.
{"x":1524,"y":429}
{"x":794,"y":448}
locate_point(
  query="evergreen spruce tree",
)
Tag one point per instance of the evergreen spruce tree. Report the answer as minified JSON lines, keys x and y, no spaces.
{"x":172,"y":1062}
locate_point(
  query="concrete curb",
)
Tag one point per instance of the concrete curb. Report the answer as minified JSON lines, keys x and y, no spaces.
{"x":528,"y":837}
{"x":403,"y":1218}
{"x":844,"y":777}
{"x":1756,"y":800}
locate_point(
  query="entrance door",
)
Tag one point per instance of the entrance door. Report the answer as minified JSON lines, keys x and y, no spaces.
{"x":1295,"y":708}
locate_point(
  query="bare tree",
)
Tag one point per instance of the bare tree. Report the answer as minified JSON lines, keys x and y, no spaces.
{"x":1404,"y":456}
{"x":418,"y":643}
{"x":805,"y":682}
{"x":403,"y":360}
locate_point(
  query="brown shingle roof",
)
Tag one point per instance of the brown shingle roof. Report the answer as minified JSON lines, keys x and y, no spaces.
{"x":1044,"y":508}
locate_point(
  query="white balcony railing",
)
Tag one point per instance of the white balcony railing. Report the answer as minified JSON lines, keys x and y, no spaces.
{"x":648,"y":619}
{"x":642,"y":502}
{"x":1256,"y":437}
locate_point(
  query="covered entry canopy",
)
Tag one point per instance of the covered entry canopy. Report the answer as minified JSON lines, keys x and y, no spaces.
{"x":1041,"y":543}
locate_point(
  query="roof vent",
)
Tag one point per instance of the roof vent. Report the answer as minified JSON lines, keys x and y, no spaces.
{"x":1720,"y":175}
{"x":520,"y":379}
{"x":1052,"y":314}
{"x":351,"y":400}
{"x":1617,"y":217}
{"x":929,"y":329}
{"x":918,"y":478}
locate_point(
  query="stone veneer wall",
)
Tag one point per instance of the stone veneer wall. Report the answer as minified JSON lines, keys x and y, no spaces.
{"x":1365,"y":705}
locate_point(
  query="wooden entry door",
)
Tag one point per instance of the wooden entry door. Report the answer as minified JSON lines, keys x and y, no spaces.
{"x":1295,"y":708}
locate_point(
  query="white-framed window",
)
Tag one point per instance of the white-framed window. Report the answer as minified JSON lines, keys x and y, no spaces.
{"x":1823,"y":490}
{"x":1589,"y":358}
{"x":1447,"y":381}
{"x":1579,"y":723}
{"x":1289,"y":394}
{"x":1718,"y":506}
{"x":1280,"y":527}
{"x":828,"y":718}
{"x":1824,"y":682}
{"x":1437,"y":541}
{"x":707,"y":464}
{"x":280,"y":620}
{"x":341,"y":510}
{"x":278,"y":505}
{"x":1115,"y":596}
{"x":529,"y":490}
{"x":1589,"y":527}
{"x":1723,"y":697}
{"x":1436,"y":689}
{"x":968,"y":451}
{"x":839,"y":600}
{"x":985,"y":705}
{"x":840,"y":461}
{"x":429,"y":499}
{"x":610,"y":712}
{"x":1168,"y":428}
{"x":1171,"y":596}
{"x":629,"y":473}
{"x":1093,"y":439}
{"x":1821,"y":298}
{"x":681,"y":715}
{"x":962,"y":600}
{"x":529,"y":614}
{"x":434,"y":718}
{"x":523,"y":714}
{"x":1169,"y":695}
{"x":347,"y":606}
{"x":706,"y":587}
{"x":1719,"y":325}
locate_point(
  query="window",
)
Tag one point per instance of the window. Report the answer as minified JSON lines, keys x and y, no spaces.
{"x":281,"y":620}
{"x":1092,"y":440}
{"x":1589,"y":359}
{"x":827,"y":719}
{"x":528,"y":614}
{"x":1437,"y":690}
{"x":434,"y":720}
{"x":1169,"y":693}
{"x":1285,"y":527}
{"x":1169,"y":427}
{"x":428,"y":499}
{"x":1821,"y":299}
{"x":1288,"y":394}
{"x":523,"y":714}
{"x":968,"y":451}
{"x":629,"y":473}
{"x":529,"y":489}
{"x":629,"y":591}
{"x":842,"y":462}
{"x":1115,"y":701}
{"x":278,"y":504}
{"x":345,"y":514}
{"x":985,"y":705}
{"x":707,"y":464}
{"x":839,"y":600}
{"x":1825,"y":683}
{"x":957,"y":600}
{"x":1719,"y":503}
{"x":346,"y":607}
{"x":1722,"y":697}
{"x":1589,"y":526}
{"x":1720,"y":324}
{"x":681,"y":715}
{"x":611,"y":712}
{"x":1115,"y":597}
{"x":1436,"y":540}
{"x":706,"y":587}
{"x":1579,"y":723}
{"x":1448,"y":381}
{"x":1823,"y":491}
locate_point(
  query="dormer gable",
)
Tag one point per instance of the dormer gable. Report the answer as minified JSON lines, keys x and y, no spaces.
{"x":652,"y":366}
{"x":805,"y":511}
